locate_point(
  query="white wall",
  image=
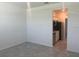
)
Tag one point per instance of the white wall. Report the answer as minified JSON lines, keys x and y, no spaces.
{"x":73,"y":29}
{"x":39,"y":25}
{"x":12,"y":25}
{"x":73,"y":33}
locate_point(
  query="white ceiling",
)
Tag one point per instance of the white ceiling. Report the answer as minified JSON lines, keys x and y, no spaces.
{"x":20,"y":4}
{"x":32,"y":4}
{"x":37,"y":4}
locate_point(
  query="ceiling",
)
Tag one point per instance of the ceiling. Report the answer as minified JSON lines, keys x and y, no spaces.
{"x":37,"y":4}
{"x":32,"y":4}
{"x":20,"y":4}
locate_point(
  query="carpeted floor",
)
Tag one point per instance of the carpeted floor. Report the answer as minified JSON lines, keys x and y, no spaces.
{"x":34,"y":50}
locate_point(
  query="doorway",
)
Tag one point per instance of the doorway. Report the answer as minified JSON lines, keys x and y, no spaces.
{"x":60,"y":29}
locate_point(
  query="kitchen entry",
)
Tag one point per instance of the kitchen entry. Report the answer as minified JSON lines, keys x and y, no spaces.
{"x":60,"y":18}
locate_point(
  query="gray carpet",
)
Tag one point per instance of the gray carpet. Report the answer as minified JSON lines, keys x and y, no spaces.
{"x":34,"y":50}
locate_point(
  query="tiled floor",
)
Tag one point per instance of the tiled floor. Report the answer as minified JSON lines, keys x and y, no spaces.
{"x":34,"y":50}
{"x":61,"y":45}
